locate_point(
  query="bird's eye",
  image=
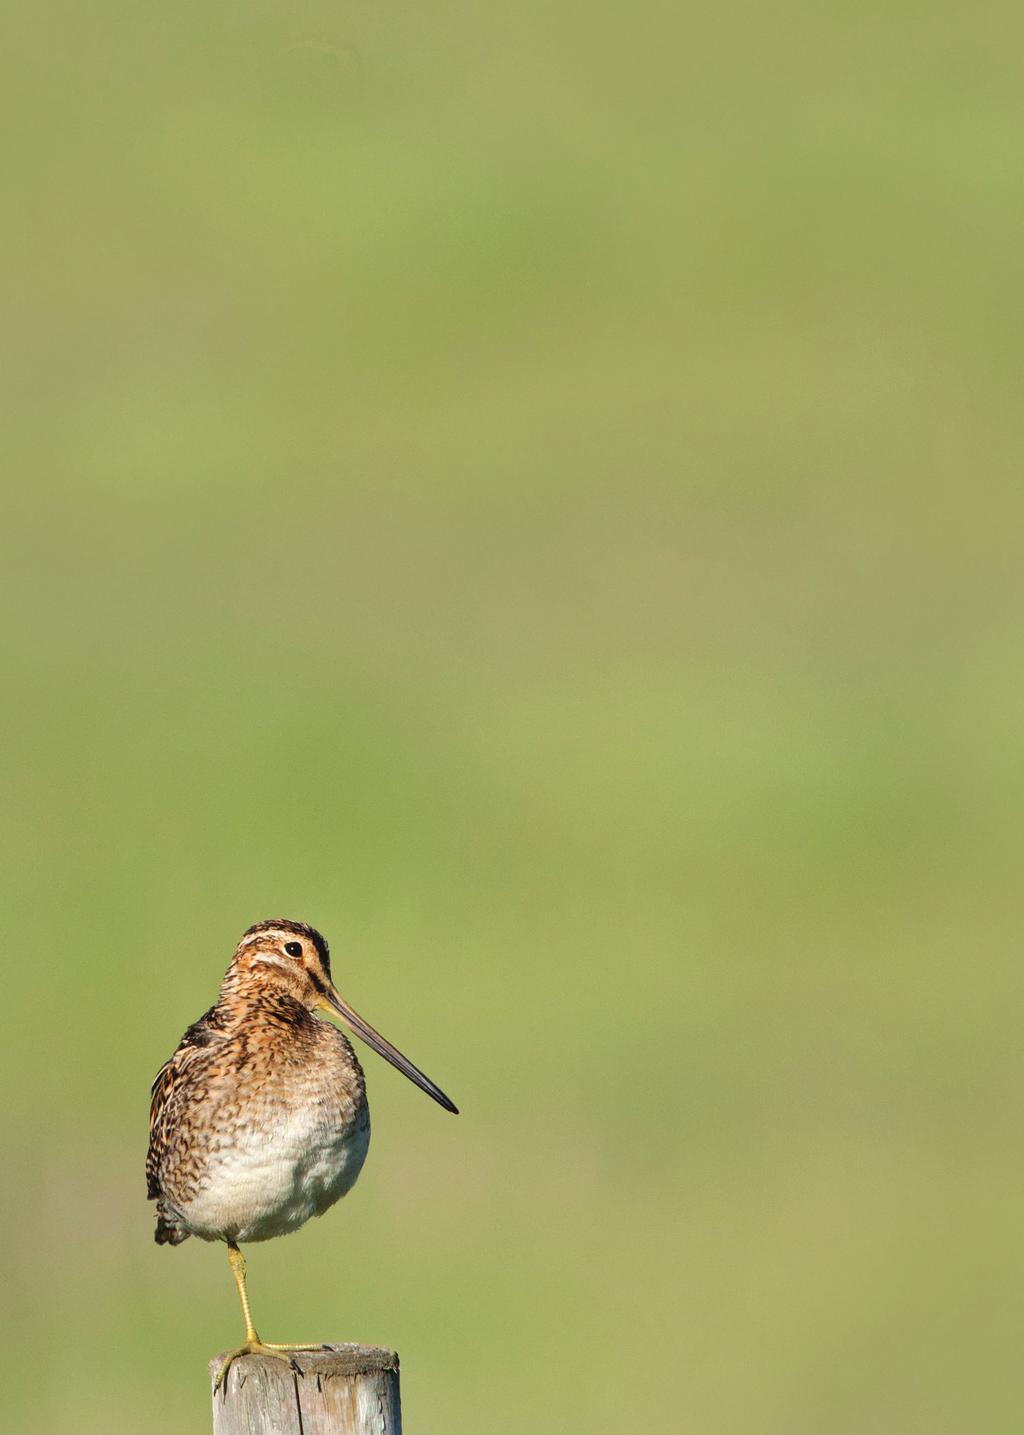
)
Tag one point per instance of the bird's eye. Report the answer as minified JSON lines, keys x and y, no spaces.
{"x":294,"y":949}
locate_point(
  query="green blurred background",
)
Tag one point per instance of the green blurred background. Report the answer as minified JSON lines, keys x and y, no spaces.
{"x":536,"y":493}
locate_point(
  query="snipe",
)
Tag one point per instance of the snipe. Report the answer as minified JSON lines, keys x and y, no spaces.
{"x":259,"y":1120}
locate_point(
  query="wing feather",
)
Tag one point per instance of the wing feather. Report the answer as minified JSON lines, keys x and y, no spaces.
{"x":175,"y":1069}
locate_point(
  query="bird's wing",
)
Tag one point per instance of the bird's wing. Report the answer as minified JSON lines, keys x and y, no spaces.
{"x":174,"y":1071}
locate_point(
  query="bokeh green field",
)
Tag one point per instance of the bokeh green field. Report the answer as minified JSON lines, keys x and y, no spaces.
{"x":536,"y":493}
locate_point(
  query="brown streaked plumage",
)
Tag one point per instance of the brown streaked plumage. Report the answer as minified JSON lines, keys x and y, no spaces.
{"x":259,"y":1120}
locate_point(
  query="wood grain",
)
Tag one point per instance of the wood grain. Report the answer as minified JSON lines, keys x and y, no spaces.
{"x":343,"y":1390}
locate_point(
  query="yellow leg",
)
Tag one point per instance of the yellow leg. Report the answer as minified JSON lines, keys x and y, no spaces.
{"x":252,"y":1345}
{"x":237,"y":1263}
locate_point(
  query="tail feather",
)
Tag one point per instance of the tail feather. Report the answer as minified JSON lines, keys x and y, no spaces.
{"x":168,"y":1232}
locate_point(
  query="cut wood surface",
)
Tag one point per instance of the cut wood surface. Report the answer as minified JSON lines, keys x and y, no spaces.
{"x":342,"y":1390}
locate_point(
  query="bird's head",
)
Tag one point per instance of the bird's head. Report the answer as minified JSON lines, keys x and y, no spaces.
{"x":287,"y":957}
{"x":293,"y":959}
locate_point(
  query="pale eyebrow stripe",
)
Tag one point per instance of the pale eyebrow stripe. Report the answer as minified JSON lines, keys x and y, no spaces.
{"x":261,"y":935}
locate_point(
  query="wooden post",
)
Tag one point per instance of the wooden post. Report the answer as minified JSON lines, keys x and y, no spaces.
{"x":343,"y":1390}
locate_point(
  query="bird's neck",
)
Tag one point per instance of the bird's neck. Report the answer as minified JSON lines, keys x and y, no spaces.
{"x":244,"y":999}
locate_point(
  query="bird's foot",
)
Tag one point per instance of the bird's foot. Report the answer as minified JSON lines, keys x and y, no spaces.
{"x":256,"y":1346}
{"x":271,"y":1345}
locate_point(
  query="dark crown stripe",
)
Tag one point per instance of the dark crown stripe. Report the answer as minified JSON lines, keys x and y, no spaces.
{"x":301,"y":929}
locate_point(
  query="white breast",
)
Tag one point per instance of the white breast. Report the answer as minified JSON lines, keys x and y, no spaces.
{"x":268,"y":1178}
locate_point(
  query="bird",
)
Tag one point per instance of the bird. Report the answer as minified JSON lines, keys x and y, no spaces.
{"x":259,"y":1120}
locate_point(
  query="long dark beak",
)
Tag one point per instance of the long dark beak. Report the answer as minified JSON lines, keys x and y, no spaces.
{"x":390,"y":1053}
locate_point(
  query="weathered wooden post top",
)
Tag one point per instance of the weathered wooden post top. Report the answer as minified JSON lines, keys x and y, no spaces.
{"x":336,"y":1390}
